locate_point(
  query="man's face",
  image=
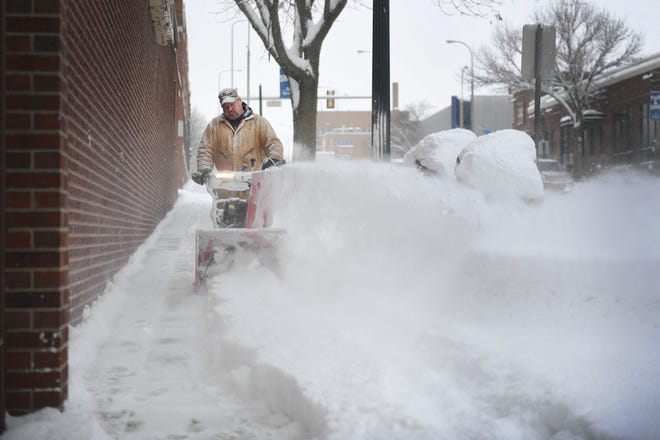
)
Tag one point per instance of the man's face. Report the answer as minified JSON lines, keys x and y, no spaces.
{"x":233,"y":110}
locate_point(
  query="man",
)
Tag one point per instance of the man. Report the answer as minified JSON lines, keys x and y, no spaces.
{"x":237,"y":140}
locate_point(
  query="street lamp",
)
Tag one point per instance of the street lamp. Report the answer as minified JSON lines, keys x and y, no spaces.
{"x":232,"y":50}
{"x":220,"y":76}
{"x":462,"y":111}
{"x":247,"y":92}
{"x":471,"y":74}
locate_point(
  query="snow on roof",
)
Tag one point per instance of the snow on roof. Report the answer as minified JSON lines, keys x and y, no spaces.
{"x":615,"y":76}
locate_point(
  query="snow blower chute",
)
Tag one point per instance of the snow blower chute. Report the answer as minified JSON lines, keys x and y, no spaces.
{"x":241,"y":224}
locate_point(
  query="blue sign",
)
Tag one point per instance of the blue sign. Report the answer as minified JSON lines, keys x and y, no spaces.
{"x":655,"y":106}
{"x":285,"y":90}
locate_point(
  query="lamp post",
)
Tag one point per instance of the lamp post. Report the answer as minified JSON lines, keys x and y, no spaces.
{"x":471,"y":75}
{"x":220,"y":76}
{"x":247,"y":93}
{"x":232,"y":50}
{"x":462,"y":111}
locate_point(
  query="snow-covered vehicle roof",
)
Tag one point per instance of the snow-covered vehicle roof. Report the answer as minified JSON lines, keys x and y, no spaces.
{"x":436,"y":153}
{"x":501,"y":164}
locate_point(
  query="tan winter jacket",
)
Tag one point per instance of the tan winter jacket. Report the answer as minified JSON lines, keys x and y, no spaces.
{"x":232,"y":150}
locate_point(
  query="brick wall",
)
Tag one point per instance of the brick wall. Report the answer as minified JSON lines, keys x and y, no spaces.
{"x":119,"y":112}
{"x":93,"y":163}
{"x":36,"y":291}
{"x":2,"y":221}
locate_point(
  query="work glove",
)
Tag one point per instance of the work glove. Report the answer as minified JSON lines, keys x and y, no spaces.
{"x":199,"y":176}
{"x":271,"y":161}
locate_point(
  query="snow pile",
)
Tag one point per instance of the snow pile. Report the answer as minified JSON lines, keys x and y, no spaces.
{"x":437,"y":152}
{"x":501,"y":165}
{"x":412,"y":307}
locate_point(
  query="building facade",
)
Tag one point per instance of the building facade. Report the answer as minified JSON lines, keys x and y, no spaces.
{"x":623,"y":129}
{"x":95,"y":108}
{"x":489,"y":113}
{"x":347,"y":134}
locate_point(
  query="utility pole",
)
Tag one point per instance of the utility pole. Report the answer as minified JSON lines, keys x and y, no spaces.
{"x":380,"y":81}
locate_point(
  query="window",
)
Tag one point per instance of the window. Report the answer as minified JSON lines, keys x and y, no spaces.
{"x":594,"y":140}
{"x":565,"y":143}
{"x":650,"y":131}
{"x":621,"y":135}
{"x":344,"y":142}
{"x":547,"y":145}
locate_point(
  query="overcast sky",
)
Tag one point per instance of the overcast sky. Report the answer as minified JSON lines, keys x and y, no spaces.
{"x":424,"y":65}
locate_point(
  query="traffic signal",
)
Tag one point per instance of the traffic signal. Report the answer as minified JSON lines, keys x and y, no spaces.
{"x":330,"y":102}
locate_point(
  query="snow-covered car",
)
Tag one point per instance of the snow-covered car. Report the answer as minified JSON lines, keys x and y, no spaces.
{"x":436,"y":153}
{"x":501,"y":165}
{"x":554,"y":175}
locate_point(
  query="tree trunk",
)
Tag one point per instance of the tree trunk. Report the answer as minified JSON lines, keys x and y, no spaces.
{"x":304,"y":121}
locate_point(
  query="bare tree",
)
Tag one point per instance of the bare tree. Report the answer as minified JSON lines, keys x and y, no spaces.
{"x":406,"y":127}
{"x":307,"y":23}
{"x":478,"y":8}
{"x":590,"y":42}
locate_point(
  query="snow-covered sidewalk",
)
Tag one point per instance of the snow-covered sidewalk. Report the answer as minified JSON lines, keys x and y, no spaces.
{"x":407,"y":308}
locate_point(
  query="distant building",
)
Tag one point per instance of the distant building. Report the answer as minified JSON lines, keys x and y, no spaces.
{"x":347,"y":134}
{"x":489,"y":113}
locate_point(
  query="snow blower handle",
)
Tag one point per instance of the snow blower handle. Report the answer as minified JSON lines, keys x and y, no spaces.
{"x":200,"y":177}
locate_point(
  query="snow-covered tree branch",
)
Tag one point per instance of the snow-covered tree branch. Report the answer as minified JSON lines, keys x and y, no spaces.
{"x":307,"y":23}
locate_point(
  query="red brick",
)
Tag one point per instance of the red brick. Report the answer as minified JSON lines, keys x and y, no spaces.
{"x":32,"y":102}
{"x":50,"y":319}
{"x":18,"y":401}
{"x":18,"y":279}
{"x":19,"y":121}
{"x":18,"y":6}
{"x":17,"y":82}
{"x":33,"y":24}
{"x":24,"y":300}
{"x":19,"y":200}
{"x":23,"y":339}
{"x":54,"y":399}
{"x":49,"y":359}
{"x":47,"y":83}
{"x":18,"y":360}
{"x":18,"y":43}
{"x":42,"y":179}
{"x":19,"y":240}
{"x":49,"y":160}
{"x":49,"y":63}
{"x":18,"y":319}
{"x":46,"y":43}
{"x":49,"y":199}
{"x":33,"y":379}
{"x":50,"y":279}
{"x":46,"y":6}
{"x":49,"y":239}
{"x":33,"y":259}
{"x":16,"y":160}
{"x":46,"y":121}
{"x":33,"y":141}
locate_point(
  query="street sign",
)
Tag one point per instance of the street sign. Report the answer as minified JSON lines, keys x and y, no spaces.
{"x":655,"y":105}
{"x":285,"y":90}
{"x":528,"y":66}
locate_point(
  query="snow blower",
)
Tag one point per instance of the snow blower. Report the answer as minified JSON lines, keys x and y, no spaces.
{"x":241,"y":221}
